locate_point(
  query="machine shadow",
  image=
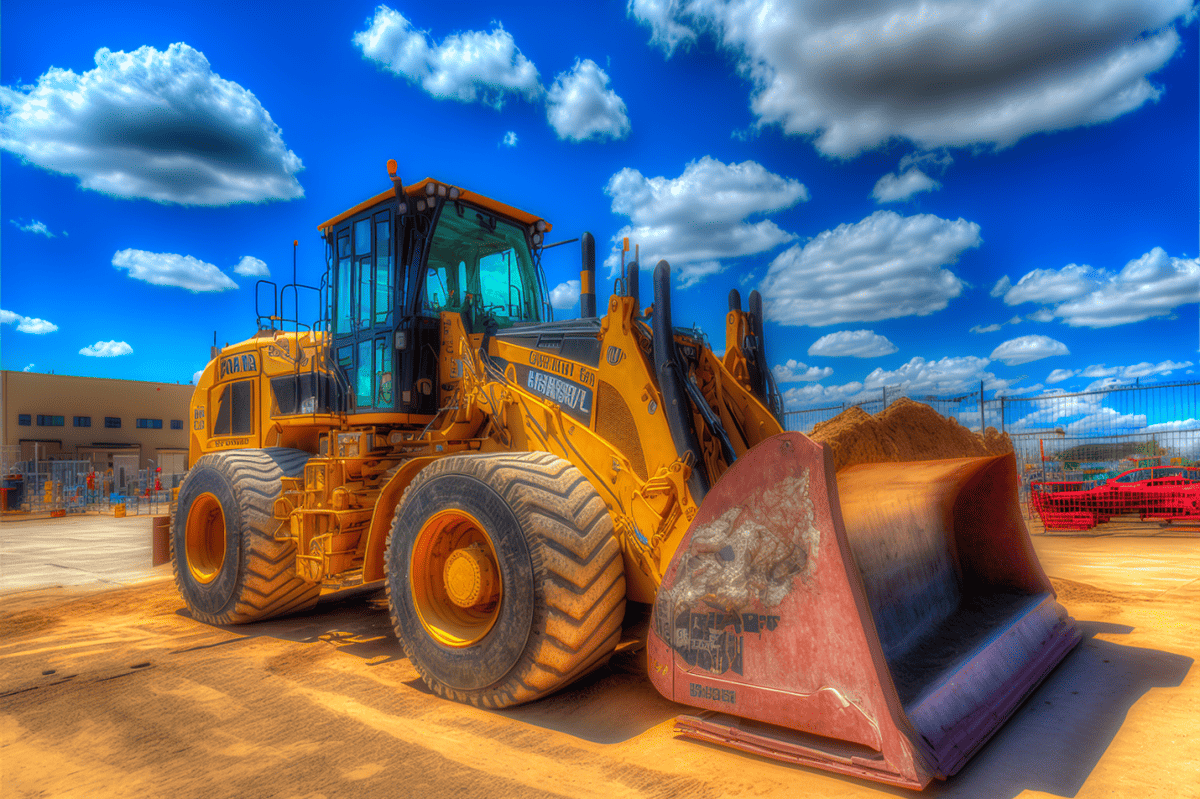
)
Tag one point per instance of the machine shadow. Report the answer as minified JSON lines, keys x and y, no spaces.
{"x":354,"y":620}
{"x":1055,"y":740}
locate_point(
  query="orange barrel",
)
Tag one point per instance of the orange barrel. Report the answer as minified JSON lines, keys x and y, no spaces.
{"x":119,"y":511}
{"x":160,"y":540}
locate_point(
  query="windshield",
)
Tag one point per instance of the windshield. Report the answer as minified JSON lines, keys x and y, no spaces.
{"x":479,"y":264}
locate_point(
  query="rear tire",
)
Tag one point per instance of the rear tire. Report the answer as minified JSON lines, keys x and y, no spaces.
{"x":228,"y":566}
{"x":549,"y":606}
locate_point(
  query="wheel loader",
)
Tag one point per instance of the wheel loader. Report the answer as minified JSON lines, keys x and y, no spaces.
{"x":519,"y":483}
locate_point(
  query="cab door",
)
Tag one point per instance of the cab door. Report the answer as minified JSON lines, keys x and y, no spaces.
{"x":363,"y":304}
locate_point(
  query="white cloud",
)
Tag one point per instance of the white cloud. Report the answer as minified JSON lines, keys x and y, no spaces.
{"x":1127,"y":374}
{"x":196,"y":377}
{"x":565,"y":295}
{"x":950,"y":375}
{"x":660,"y":15}
{"x":882,"y":267}
{"x":169,"y":269}
{"x":1106,"y":383}
{"x":33,"y":227}
{"x":27,"y":324}
{"x":107,"y":349}
{"x":251,"y":267}
{"x":580,"y":105}
{"x":1170,"y":427}
{"x":1107,"y":420}
{"x":1016,"y":320}
{"x":947,"y":73}
{"x":795,"y":372}
{"x":1024,"y":349}
{"x":1146,"y":369}
{"x":510,"y":139}
{"x":1059,"y":375}
{"x":892,"y":187}
{"x":1041,"y":315}
{"x":155,"y":125}
{"x":856,"y":343}
{"x":698,"y":219}
{"x":28,"y":368}
{"x":1002,"y":286}
{"x":468,"y":67}
{"x":1053,"y":285}
{"x":989,"y":329}
{"x":1152,"y":285}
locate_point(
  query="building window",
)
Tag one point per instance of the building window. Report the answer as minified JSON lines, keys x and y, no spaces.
{"x":150,"y":424}
{"x":49,"y":421}
{"x":24,"y":419}
{"x":112,"y":421}
{"x":176,"y":424}
{"x":83,"y":421}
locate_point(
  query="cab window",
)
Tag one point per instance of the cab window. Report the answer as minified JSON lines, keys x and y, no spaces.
{"x":480,"y":264}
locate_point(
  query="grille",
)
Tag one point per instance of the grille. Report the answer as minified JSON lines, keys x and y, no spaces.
{"x":614,"y":423}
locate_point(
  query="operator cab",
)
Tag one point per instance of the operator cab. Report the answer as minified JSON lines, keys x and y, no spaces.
{"x":397,"y":263}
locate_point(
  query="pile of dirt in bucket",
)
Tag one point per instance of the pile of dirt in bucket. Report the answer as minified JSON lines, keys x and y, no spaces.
{"x":904,"y":431}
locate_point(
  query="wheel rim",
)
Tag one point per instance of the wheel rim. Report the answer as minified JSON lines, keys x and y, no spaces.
{"x":205,"y":538}
{"x":455,"y":579}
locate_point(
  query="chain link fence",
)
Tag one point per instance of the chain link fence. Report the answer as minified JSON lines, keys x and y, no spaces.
{"x":1082,"y":437}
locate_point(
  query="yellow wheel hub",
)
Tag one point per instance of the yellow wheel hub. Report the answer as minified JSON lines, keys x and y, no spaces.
{"x":204,"y":538}
{"x":455,"y":581}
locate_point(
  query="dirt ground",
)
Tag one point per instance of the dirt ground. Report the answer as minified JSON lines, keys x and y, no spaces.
{"x":119,"y":693}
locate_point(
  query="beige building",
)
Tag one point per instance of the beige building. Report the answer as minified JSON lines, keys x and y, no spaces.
{"x":124,"y":425}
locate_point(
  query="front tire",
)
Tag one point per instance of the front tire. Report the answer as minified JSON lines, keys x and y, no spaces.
{"x":505,"y":582}
{"x":228,"y":566}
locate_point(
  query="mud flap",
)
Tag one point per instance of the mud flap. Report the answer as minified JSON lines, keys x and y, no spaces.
{"x":883,"y":622}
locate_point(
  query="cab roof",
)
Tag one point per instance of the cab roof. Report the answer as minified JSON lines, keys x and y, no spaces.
{"x":417,"y":190}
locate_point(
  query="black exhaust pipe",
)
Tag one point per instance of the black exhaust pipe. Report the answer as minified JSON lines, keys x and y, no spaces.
{"x":587,"y":276}
{"x":632,"y":274}
{"x":670,"y":383}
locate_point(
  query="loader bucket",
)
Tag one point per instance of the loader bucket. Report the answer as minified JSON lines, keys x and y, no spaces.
{"x":881,"y":622}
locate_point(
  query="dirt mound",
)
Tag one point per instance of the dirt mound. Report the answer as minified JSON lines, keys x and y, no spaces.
{"x":904,"y":431}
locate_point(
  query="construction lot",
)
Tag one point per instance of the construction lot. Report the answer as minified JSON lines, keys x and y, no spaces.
{"x":109,"y":688}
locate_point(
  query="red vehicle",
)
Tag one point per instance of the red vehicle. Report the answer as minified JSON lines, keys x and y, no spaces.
{"x":1155,"y":492}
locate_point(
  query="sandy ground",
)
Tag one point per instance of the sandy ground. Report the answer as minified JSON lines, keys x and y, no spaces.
{"x":108,"y":692}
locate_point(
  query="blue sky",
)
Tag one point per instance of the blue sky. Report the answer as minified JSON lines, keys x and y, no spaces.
{"x":996,"y":190}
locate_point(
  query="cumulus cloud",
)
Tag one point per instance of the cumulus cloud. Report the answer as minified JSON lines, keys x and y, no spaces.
{"x":34,"y":226}
{"x":989,"y":329}
{"x":1041,"y":315}
{"x":892,"y":187}
{"x":1170,"y":427}
{"x":698,"y":219}
{"x":107,"y":349}
{"x":1083,"y":296}
{"x":252,"y":267}
{"x":1059,"y":375}
{"x":882,"y":267}
{"x":472,"y":66}
{"x":1028,"y":348}
{"x":950,"y":375}
{"x":580,"y":105}
{"x":169,"y":269}
{"x":1127,"y":374}
{"x":27,"y":324}
{"x":1002,"y":286}
{"x":565,"y":295}
{"x":196,"y":377}
{"x":795,"y":372}
{"x":510,"y":139}
{"x":28,"y":368}
{"x":945,"y":73}
{"x":155,"y":125}
{"x":855,"y":343}
{"x":661,"y":15}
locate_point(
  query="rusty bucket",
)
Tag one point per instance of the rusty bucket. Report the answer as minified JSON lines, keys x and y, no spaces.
{"x":881,"y":622}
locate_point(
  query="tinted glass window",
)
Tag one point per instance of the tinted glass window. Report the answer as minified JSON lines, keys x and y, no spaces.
{"x":480,"y":260}
{"x":243,"y":407}
{"x":221,"y":425}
